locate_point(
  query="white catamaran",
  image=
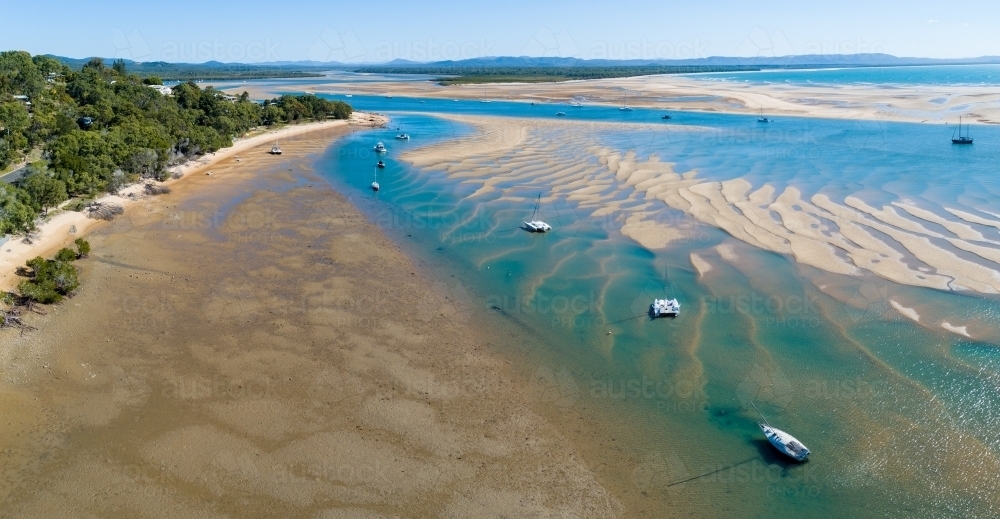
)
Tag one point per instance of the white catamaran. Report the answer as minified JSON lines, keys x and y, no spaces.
{"x":784,"y":442}
{"x":537,"y":225}
{"x":665,"y":308}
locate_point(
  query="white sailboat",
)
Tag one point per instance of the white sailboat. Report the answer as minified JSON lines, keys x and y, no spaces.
{"x":402,"y":136}
{"x":375,"y":182}
{"x":784,"y":442}
{"x":625,"y":107}
{"x":761,"y":118}
{"x":537,"y":225}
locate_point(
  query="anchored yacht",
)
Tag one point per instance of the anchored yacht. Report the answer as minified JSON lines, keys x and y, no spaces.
{"x":380,"y":148}
{"x":665,"y":308}
{"x":275,"y":150}
{"x":537,"y":225}
{"x":967,"y":139}
{"x":784,"y":442}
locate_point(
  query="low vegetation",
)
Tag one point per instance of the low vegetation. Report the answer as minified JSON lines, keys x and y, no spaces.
{"x":48,"y":282}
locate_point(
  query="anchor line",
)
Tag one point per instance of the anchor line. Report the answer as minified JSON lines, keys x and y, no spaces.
{"x":713,"y":472}
{"x":627,"y":319}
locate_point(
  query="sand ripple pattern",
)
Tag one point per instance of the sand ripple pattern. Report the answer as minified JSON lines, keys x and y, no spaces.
{"x":914,"y":243}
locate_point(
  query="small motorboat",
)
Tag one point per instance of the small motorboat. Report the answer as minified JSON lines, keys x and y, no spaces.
{"x":403,"y":136}
{"x":381,"y":164}
{"x":784,"y":442}
{"x":666,"y":116}
{"x":560,"y":113}
{"x":665,"y":308}
{"x":380,"y":148}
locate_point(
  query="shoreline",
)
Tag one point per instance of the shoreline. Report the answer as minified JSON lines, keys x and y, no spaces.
{"x":59,"y":230}
{"x":257,"y":360}
{"x":914,"y":104}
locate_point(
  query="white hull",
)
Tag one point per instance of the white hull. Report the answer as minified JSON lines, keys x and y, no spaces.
{"x":665,"y":308}
{"x":537,"y":226}
{"x":374,"y":186}
{"x":785,"y":443}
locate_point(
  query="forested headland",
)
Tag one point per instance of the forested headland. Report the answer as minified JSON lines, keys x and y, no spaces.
{"x":96,"y":129}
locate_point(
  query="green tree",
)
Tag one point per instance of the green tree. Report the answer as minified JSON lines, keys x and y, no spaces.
{"x":44,"y":190}
{"x":119,"y":67}
{"x":82,"y":247}
{"x":19,"y":75}
{"x":16,"y":214}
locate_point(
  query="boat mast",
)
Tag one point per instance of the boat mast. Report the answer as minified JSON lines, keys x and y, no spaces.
{"x":760,"y":413}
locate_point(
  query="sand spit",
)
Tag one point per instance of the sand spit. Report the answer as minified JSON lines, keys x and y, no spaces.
{"x":929,"y":103}
{"x":254,"y":367}
{"x":703,"y":267}
{"x":895,"y":241}
{"x":961,"y":330}
{"x":906,"y":312}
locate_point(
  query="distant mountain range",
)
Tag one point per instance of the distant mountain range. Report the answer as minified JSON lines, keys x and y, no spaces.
{"x":868,"y":60}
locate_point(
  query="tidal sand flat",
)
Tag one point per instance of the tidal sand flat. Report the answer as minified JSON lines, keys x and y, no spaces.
{"x":885,"y":97}
{"x":929,"y":243}
{"x":250,"y":346}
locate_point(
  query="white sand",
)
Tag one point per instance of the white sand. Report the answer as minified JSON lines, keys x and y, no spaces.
{"x":866,"y":104}
{"x":703,"y":267}
{"x":845,"y":237}
{"x":907,"y":312}
{"x":961,"y":330}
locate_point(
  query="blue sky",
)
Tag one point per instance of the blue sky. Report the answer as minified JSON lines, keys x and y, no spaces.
{"x":253,"y":30}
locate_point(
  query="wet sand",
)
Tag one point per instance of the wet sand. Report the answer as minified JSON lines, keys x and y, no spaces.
{"x":250,"y":346}
{"x":846,"y":236}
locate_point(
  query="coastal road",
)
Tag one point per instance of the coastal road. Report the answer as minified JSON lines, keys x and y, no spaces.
{"x":13,"y":175}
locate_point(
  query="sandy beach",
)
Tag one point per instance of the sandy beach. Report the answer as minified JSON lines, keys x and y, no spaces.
{"x":236,"y":351}
{"x":62,"y":227}
{"x":920,"y":104}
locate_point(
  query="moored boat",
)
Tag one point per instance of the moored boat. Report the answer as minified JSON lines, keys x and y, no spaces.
{"x":665,"y":308}
{"x":785,"y":443}
{"x":967,"y":139}
{"x":534,"y":225}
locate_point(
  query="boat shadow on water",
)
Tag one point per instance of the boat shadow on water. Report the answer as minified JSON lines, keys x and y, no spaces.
{"x":770,"y":456}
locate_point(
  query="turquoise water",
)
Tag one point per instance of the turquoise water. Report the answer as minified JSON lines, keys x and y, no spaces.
{"x":951,"y":75}
{"x":901,"y":418}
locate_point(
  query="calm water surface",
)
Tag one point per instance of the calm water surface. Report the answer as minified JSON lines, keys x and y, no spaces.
{"x":901,"y":418}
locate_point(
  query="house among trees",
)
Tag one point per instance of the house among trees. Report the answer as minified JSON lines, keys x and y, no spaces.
{"x":163,"y":90}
